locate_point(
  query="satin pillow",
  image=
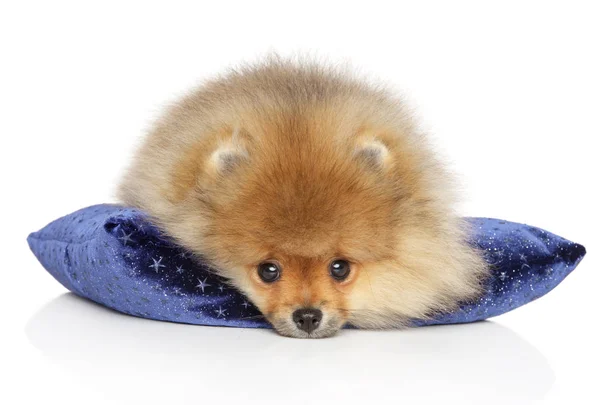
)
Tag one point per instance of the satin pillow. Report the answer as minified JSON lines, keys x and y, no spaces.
{"x":112,"y":255}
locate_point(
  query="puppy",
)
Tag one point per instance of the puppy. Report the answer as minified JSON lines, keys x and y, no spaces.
{"x":313,"y":193}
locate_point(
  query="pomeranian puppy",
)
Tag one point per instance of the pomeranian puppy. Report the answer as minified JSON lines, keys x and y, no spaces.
{"x":313,"y":193}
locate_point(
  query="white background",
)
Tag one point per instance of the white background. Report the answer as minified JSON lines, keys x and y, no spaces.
{"x":510,"y":93}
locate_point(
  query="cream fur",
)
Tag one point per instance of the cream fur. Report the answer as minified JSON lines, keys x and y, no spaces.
{"x":300,"y":163}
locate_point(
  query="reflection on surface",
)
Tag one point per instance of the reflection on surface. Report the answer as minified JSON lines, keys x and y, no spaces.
{"x":123,"y":358}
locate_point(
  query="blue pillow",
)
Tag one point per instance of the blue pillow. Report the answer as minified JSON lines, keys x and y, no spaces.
{"x":112,"y":255}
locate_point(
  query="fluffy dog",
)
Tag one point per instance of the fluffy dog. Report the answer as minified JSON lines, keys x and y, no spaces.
{"x":313,"y":193}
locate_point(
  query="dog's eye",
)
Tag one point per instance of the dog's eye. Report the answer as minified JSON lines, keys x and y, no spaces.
{"x":339,"y":269}
{"x":268,"y":272}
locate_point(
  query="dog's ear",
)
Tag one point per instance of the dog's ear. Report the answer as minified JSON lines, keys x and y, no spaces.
{"x":207,"y":161}
{"x":372,"y":152}
{"x":230,"y":153}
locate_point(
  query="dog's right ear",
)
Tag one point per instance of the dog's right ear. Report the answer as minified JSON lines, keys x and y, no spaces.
{"x":210,"y":159}
{"x":230,"y":153}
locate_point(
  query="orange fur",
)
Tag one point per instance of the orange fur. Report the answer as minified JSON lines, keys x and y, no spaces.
{"x":300,"y":164}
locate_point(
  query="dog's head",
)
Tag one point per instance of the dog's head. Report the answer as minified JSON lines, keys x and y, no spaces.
{"x":304,"y":216}
{"x":317,"y":199}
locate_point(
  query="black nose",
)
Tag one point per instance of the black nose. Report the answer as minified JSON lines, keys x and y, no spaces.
{"x":307,"y":319}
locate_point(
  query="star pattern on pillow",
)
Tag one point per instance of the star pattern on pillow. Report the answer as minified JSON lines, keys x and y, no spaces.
{"x":114,"y":256}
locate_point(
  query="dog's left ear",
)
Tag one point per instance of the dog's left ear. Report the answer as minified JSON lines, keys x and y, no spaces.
{"x":373,"y":153}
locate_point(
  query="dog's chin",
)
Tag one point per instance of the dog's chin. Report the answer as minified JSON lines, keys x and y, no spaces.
{"x":288,"y":329}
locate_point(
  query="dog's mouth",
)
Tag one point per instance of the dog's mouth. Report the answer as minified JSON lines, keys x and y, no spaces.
{"x":326,"y":327}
